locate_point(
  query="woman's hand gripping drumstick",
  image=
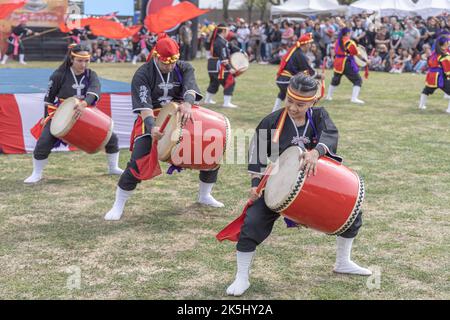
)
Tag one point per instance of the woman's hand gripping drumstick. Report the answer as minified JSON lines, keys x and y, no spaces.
{"x":148,"y":118}
{"x":79,"y":107}
{"x":185,"y":110}
{"x":308,"y":162}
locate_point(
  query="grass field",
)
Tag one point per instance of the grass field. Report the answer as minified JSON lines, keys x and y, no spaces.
{"x":164,"y":247}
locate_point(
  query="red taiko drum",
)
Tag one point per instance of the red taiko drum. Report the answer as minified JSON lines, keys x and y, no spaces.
{"x":90,"y":133}
{"x":328,"y":202}
{"x":200,"y":144}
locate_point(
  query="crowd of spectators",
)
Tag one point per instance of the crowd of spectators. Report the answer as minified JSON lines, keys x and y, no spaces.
{"x":393,"y":45}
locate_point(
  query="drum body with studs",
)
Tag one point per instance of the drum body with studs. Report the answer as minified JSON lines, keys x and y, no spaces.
{"x":90,"y":133}
{"x":239,"y":62}
{"x":328,"y":202}
{"x":200,"y":144}
{"x":362,"y":52}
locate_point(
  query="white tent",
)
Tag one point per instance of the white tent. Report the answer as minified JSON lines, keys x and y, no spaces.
{"x":218,"y":4}
{"x":307,"y":7}
{"x":429,"y":8}
{"x":399,"y":8}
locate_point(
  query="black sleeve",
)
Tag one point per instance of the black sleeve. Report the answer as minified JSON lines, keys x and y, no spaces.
{"x":259,"y":149}
{"x":224,"y":53}
{"x":191,"y":92}
{"x":94,"y":90}
{"x":141,"y":91}
{"x":327,"y":131}
{"x":54,"y":84}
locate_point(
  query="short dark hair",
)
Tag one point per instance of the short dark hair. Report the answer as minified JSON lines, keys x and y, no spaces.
{"x":303,"y":83}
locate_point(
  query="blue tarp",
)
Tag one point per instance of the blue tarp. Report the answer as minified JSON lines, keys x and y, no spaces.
{"x":36,"y":80}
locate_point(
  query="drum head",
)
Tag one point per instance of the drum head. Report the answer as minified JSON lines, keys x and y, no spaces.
{"x":172,"y":132}
{"x":239,"y":61}
{"x":362,"y":52}
{"x":284,"y":182}
{"x":63,"y":120}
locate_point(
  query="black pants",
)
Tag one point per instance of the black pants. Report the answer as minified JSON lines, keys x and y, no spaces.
{"x":185,"y":52}
{"x":142,"y":147}
{"x":259,"y":222}
{"x":46,"y":142}
{"x":351,"y":75}
{"x":10,"y":49}
{"x":283,"y":87}
{"x":428,"y":90}
{"x":215,"y":83}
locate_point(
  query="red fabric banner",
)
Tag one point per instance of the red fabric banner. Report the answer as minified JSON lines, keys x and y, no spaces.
{"x":7,"y":8}
{"x":169,"y":17}
{"x":104,"y":28}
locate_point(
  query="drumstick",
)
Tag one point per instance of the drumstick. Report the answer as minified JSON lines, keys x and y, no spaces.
{"x":164,"y":124}
{"x":262,"y":183}
{"x":40,"y":34}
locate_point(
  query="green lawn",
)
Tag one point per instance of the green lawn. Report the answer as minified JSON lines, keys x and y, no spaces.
{"x":164,"y":247}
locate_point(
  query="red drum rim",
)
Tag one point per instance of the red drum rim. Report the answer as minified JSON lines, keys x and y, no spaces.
{"x":107,"y":138}
{"x":225,"y":148}
{"x":296,"y":188}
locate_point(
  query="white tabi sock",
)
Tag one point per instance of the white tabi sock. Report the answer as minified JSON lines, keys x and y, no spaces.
{"x":205,"y":197}
{"x":278,"y":103}
{"x":330,"y":92}
{"x":227,"y":102}
{"x":119,"y":204}
{"x":209,"y":98}
{"x":38,"y":167}
{"x":423,"y":101}
{"x":343,"y":262}
{"x":355,"y":94}
{"x":241,"y":283}
{"x":113,"y":163}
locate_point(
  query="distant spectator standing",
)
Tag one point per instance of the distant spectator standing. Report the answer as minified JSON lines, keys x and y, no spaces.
{"x":185,"y":34}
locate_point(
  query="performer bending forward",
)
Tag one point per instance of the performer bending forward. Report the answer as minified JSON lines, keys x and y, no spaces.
{"x":219,"y":68}
{"x":303,"y":126}
{"x":438,"y":76}
{"x":293,"y":62}
{"x":344,"y":64}
{"x":71,"y":79}
{"x":162,"y":79}
{"x":15,"y":44}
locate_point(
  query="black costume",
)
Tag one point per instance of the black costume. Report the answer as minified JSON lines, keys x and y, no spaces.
{"x":297,"y":62}
{"x":151,"y":89}
{"x":63,"y":85}
{"x":319,"y":132}
{"x":218,"y":71}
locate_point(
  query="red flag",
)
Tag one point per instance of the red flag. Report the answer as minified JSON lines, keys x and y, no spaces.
{"x":111,"y":29}
{"x":233,"y":230}
{"x":104,"y":28}
{"x":7,"y":8}
{"x":64,"y":28}
{"x":149,"y":165}
{"x":169,"y":17}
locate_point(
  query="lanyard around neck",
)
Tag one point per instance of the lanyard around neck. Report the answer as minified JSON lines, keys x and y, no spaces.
{"x":160,"y":74}
{"x":75,"y":78}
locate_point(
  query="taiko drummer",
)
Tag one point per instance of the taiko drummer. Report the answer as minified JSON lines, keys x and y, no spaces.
{"x":163,"y":79}
{"x":72,"y":79}
{"x":295,"y":124}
